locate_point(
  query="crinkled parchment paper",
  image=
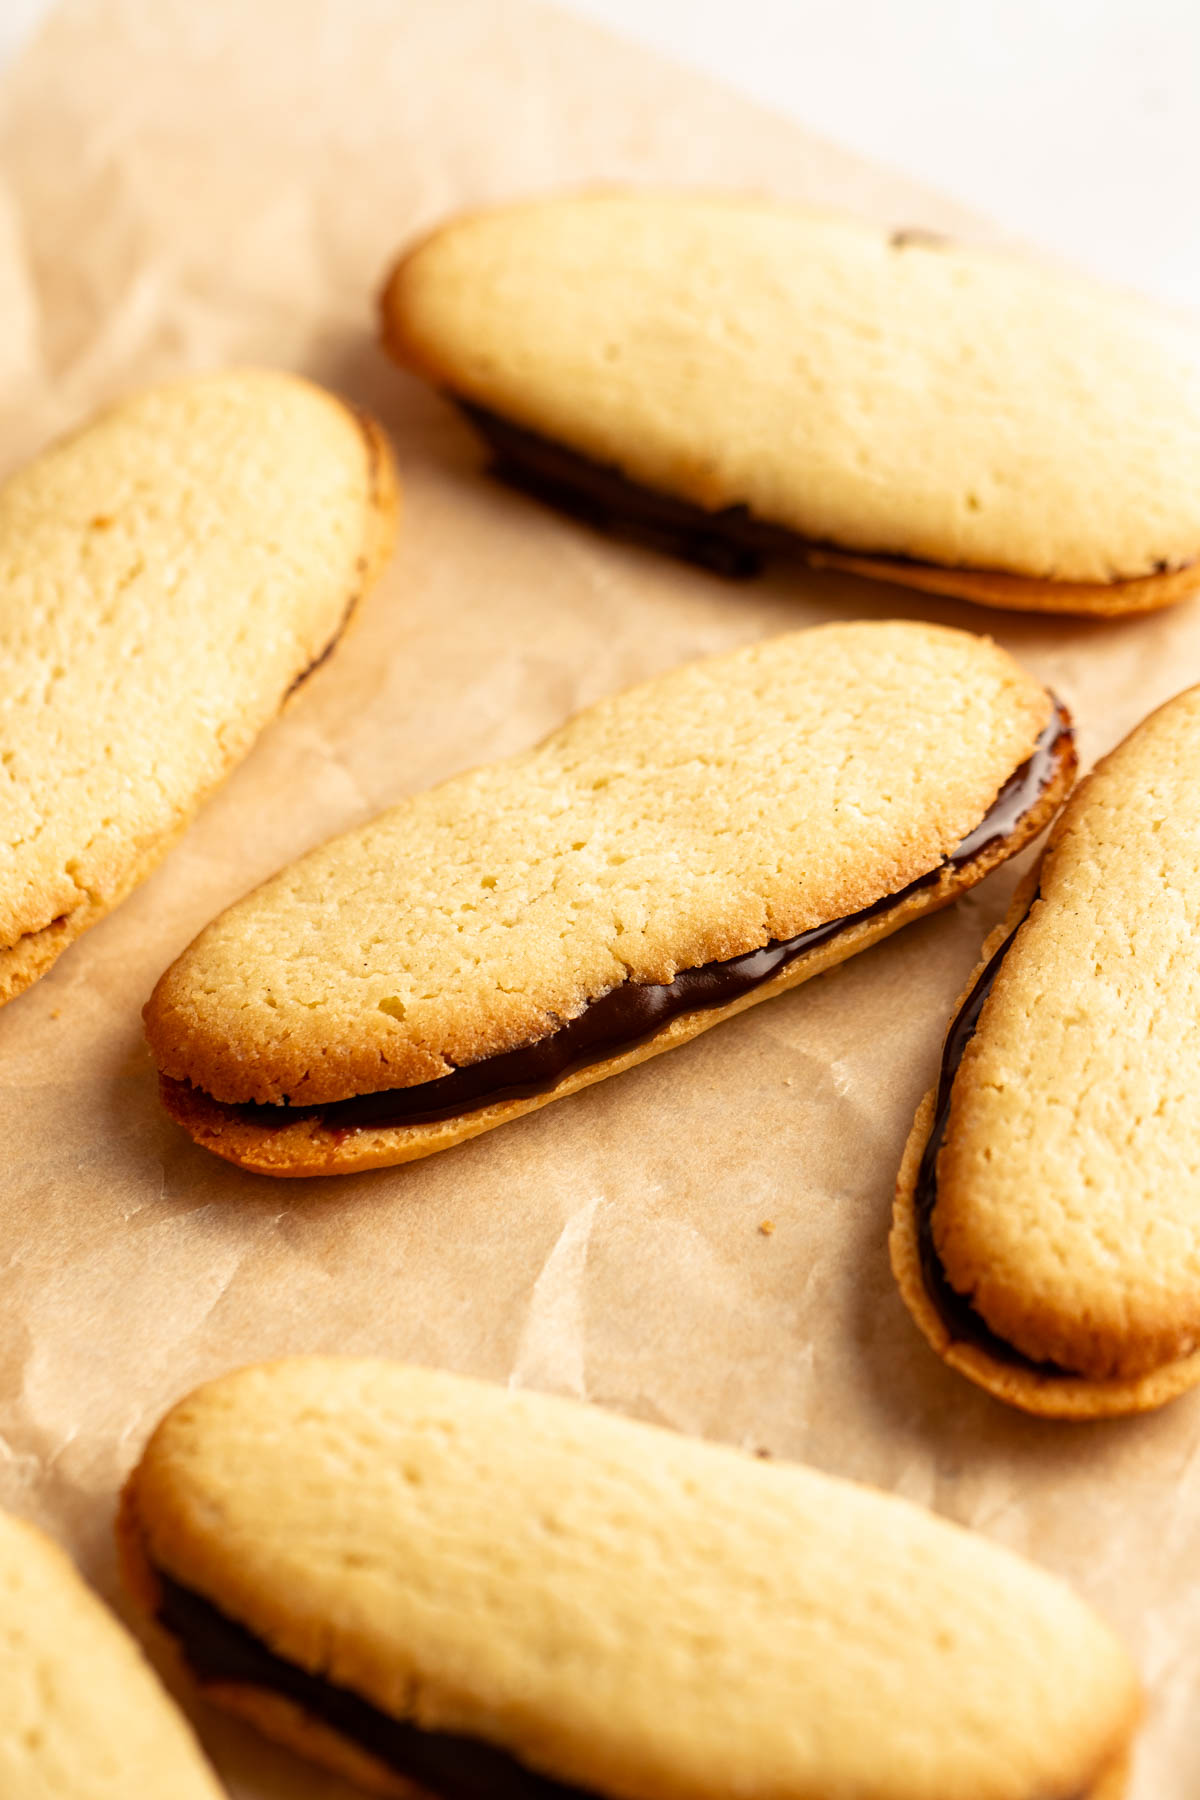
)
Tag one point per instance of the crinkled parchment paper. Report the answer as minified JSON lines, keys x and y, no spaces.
{"x":185,"y":185}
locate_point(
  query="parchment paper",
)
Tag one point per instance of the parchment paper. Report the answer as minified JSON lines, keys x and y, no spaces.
{"x":186,"y":185}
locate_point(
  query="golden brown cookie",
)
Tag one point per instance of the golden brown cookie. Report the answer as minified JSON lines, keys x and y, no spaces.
{"x":171,"y":572}
{"x":669,"y":857}
{"x":734,"y":378}
{"x":82,"y":1714}
{"x":416,"y":1578}
{"x":1047,"y":1223}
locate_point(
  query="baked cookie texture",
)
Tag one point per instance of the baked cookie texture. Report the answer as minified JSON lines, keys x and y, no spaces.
{"x":735,"y":802}
{"x":82,"y":1714}
{"x":617,"y":1608}
{"x":1066,"y":1190}
{"x":170,"y":573}
{"x":941,"y":416}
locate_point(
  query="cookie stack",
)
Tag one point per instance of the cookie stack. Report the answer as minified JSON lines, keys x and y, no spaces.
{"x":437,"y":1587}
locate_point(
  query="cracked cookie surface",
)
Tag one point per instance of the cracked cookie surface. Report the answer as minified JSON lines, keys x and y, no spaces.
{"x":168,"y":575}
{"x":610,"y":1605}
{"x":905,"y":408}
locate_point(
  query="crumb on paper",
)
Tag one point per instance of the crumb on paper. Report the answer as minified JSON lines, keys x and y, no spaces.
{"x":767,"y":1227}
{"x":763,"y":1453}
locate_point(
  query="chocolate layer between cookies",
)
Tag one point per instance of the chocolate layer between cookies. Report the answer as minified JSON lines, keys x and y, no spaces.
{"x":730,"y":541}
{"x":455,"y":1767}
{"x":452,"y":1766}
{"x":964,"y":1324}
{"x":632,"y":1012}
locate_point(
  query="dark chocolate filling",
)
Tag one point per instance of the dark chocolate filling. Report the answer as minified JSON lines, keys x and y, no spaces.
{"x":634,"y":1011}
{"x":456,"y":1768}
{"x":965,"y":1325}
{"x":452,"y":1767}
{"x":731,"y":542}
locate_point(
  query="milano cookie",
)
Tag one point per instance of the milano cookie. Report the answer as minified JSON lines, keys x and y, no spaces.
{"x":171,"y":572}
{"x":667,"y":858}
{"x":732,"y":378}
{"x":1047,"y":1228}
{"x":82,"y":1715}
{"x":415,"y":1578}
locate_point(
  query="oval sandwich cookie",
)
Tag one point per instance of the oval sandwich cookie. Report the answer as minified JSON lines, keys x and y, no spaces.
{"x":171,"y":572}
{"x":1047,"y":1224}
{"x":82,"y":1714}
{"x":732,"y":378}
{"x":667,"y":858}
{"x":434,"y":1585}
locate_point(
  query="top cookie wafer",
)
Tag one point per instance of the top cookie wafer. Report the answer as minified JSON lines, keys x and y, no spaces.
{"x":168,"y":574}
{"x":82,"y":1716}
{"x":976,"y":424}
{"x":398,"y":1570}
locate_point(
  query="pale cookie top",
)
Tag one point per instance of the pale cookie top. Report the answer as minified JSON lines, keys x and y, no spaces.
{"x":82,"y":1715}
{"x":165,"y":575}
{"x":861,"y":389}
{"x":620,"y":1607}
{"x":739,"y":799}
{"x":1068,"y":1198}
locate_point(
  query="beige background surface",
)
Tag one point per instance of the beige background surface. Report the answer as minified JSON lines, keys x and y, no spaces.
{"x":185,"y":186}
